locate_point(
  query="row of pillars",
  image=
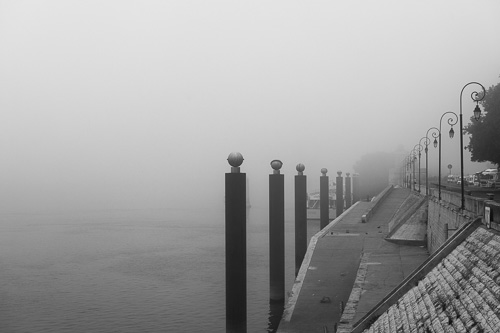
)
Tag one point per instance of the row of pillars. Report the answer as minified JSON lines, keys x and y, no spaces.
{"x":344,"y":195}
{"x":236,"y":283}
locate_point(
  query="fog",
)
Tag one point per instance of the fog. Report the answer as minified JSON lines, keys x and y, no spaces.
{"x":136,"y":105}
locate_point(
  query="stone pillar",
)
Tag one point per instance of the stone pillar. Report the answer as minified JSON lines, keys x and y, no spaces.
{"x":355,"y":188}
{"x":348,"y":195}
{"x":300,"y":217}
{"x":236,"y":264}
{"x":277,"y":233}
{"x":324,"y":200}
{"x":339,"y":201}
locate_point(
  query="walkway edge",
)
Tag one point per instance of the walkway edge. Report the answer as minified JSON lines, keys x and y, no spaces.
{"x":347,"y":318}
{"x":412,"y":279}
{"x":378,"y":199}
{"x":297,"y":286}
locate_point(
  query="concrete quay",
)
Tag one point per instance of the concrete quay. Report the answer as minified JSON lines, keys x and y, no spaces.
{"x":349,"y":267}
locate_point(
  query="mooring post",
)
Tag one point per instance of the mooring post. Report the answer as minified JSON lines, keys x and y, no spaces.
{"x":348,"y":195}
{"x":355,"y":188}
{"x":339,"y":200}
{"x":324,"y":200}
{"x":300,"y":217}
{"x":236,"y":262}
{"x":277,"y":233}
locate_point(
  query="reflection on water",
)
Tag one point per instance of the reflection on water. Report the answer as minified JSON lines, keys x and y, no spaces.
{"x":128,"y":271}
{"x":275,"y":312}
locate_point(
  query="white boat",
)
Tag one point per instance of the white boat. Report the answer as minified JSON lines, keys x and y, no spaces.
{"x":313,"y":204}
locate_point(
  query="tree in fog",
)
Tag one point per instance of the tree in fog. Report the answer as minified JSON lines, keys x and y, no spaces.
{"x":484,"y":142}
{"x":373,"y":172}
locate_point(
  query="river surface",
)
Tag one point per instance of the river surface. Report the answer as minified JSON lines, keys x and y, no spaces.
{"x":129,"y":270}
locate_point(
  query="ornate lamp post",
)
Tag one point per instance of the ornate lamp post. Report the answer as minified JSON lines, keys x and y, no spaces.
{"x":405,"y":166}
{"x":414,"y":170}
{"x":419,"y":150}
{"x":451,"y":122}
{"x":402,"y":173}
{"x":426,"y":142}
{"x":476,"y":97}
{"x":435,"y":135}
{"x":408,"y":171}
{"x":406,"y":182}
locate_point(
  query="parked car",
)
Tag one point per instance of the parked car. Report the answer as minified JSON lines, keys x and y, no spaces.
{"x":491,"y":178}
{"x":451,"y":179}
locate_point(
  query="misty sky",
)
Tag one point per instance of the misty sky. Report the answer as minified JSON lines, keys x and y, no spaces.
{"x":137,"y":104}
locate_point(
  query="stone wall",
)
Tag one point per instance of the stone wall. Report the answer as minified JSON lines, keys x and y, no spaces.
{"x":377,"y":200}
{"x":494,"y":215}
{"x":445,"y":217}
{"x":404,"y":213}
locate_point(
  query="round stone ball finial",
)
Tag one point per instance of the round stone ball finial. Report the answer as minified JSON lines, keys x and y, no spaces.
{"x":235,"y":159}
{"x":324,"y":171}
{"x":276,"y":165}
{"x":300,"y":168}
{"x":339,"y":173}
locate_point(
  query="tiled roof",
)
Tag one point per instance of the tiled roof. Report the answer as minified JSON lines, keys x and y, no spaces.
{"x":461,"y":293}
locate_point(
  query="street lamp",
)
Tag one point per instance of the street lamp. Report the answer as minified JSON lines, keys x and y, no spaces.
{"x":413,"y":158}
{"x":409,"y":160}
{"x":435,"y":135}
{"x":426,"y":142}
{"x":403,"y":171}
{"x":419,"y":150}
{"x":411,"y":170}
{"x":451,"y":122}
{"x":407,"y":171}
{"x":476,"y":97}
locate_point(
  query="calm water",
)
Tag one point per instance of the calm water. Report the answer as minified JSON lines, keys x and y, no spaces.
{"x":128,"y":271}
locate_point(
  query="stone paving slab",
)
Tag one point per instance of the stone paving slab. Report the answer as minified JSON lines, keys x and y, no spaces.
{"x":413,"y":229}
{"x":324,"y":285}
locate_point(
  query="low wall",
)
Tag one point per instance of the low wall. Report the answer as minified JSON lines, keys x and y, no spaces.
{"x":472,"y":204}
{"x":378,"y":199}
{"x":407,"y":209}
{"x":494,"y":215}
{"x":445,"y":217}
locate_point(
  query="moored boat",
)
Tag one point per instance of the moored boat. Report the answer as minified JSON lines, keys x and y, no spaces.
{"x":313,"y":204}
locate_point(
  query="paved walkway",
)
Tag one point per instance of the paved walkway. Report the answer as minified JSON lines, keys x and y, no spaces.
{"x":349,"y":251}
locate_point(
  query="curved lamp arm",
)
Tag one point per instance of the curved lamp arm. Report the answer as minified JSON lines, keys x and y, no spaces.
{"x":435,"y":134}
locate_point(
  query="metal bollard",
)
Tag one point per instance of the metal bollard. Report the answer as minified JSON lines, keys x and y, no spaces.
{"x":348,"y":194}
{"x":277,"y":233}
{"x":339,"y":200}
{"x":355,"y":188}
{"x":324,"y":200}
{"x":300,"y":217}
{"x":236,"y":265}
